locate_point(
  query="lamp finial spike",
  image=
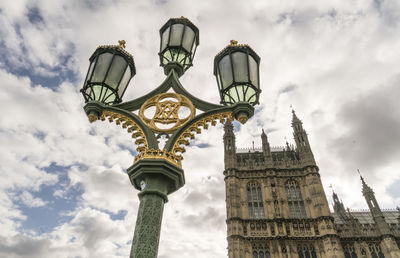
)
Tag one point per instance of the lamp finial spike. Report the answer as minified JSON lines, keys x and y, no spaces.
{"x":121,"y":43}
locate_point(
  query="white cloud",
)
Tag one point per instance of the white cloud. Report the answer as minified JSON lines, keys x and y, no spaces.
{"x":27,"y":199}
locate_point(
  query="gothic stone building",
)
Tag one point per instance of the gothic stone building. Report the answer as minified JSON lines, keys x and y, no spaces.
{"x":277,"y":207}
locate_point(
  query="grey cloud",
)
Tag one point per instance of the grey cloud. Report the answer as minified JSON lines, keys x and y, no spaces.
{"x":373,"y":135}
{"x":288,"y":88}
{"x":211,"y":218}
{"x":195,"y":198}
{"x":23,"y":246}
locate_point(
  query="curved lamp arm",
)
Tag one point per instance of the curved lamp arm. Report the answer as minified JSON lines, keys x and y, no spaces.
{"x":145,"y":138}
{"x":172,"y":81}
{"x":181,"y":138}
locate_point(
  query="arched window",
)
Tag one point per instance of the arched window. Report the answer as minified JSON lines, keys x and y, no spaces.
{"x":376,"y":251}
{"x":306,"y":251}
{"x":254,"y":200}
{"x":363,"y":253}
{"x":295,"y":201}
{"x":255,"y":254}
{"x":349,"y":251}
{"x":261,"y":251}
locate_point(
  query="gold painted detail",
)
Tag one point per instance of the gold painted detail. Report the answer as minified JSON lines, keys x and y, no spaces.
{"x":233,"y":43}
{"x":120,"y":47}
{"x":242,"y":119}
{"x":188,"y":134}
{"x":160,"y":154}
{"x":121,"y":43}
{"x":92,"y":118}
{"x":130,"y":125}
{"x":166,"y":112}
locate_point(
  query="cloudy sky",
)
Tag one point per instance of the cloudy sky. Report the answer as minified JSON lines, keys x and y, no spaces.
{"x":64,"y":191}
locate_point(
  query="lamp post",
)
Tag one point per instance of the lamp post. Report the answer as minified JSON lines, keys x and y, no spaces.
{"x":157,"y":172}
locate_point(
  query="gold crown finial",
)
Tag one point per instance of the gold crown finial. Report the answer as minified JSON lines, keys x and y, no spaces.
{"x":182,"y":17}
{"x":233,"y":42}
{"x":121,"y":43}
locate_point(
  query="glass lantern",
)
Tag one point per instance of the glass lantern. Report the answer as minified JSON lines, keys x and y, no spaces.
{"x":236,"y":68}
{"x":179,"y":40}
{"x":111,"y":68}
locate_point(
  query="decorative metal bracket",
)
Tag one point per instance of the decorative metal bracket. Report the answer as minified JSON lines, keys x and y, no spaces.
{"x":144,"y":132}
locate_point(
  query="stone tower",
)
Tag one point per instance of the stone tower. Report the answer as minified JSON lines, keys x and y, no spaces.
{"x":276,"y":206}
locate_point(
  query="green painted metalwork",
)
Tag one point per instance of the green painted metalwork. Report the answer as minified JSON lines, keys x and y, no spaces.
{"x":96,"y":108}
{"x":154,"y":175}
{"x":172,"y":81}
{"x":148,"y":225}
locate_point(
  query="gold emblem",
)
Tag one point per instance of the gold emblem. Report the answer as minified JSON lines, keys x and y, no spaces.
{"x":167,"y":110}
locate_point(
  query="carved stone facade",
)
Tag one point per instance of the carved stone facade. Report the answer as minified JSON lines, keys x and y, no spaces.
{"x":277,"y":207}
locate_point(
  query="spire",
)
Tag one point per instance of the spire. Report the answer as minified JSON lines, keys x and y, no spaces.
{"x":263,"y":134}
{"x":287,"y":146}
{"x":295,"y":119}
{"x":301,"y":139}
{"x":265,"y":144}
{"x":373,"y":206}
{"x":365,"y":187}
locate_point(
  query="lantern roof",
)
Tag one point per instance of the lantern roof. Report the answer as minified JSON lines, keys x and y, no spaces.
{"x":234,"y":46}
{"x":183,"y":20}
{"x":120,"y":48}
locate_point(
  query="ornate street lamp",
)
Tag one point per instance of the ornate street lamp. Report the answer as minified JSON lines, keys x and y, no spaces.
{"x":157,"y":171}
{"x":237,"y":70}
{"x":110,"y":70}
{"x":179,"y":40}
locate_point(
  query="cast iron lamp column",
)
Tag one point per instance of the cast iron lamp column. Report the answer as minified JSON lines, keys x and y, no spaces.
{"x":157,"y":171}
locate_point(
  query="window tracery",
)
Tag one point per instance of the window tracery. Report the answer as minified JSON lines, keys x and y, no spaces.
{"x":255,"y":201}
{"x":260,"y":251}
{"x":295,"y":200}
{"x":306,"y":251}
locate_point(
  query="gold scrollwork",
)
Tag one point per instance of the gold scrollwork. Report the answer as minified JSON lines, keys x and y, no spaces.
{"x":166,"y":112}
{"x":130,"y":125}
{"x":160,"y":154}
{"x":181,"y":142}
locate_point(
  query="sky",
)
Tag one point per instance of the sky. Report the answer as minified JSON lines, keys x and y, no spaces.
{"x":64,"y":191}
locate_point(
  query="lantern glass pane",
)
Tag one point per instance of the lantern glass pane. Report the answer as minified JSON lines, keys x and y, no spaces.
{"x":103,"y":63}
{"x":109,"y":96}
{"x":250,"y":95}
{"x":90,"y":71}
{"x":176,"y":34}
{"x":227,"y":99}
{"x":96,"y":92}
{"x":188,"y":39}
{"x":225,"y":71}
{"x":194,"y":51}
{"x":124,"y":81}
{"x":240,"y":91}
{"x":117,"y":69}
{"x":240,"y":66}
{"x":253,"y":71}
{"x":234,"y":95}
{"x":164,"y":39}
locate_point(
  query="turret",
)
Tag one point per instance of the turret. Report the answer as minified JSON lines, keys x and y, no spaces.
{"x":373,"y":206}
{"x":338,"y":207}
{"x":266,"y":149}
{"x":229,"y":145}
{"x":301,"y":139}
